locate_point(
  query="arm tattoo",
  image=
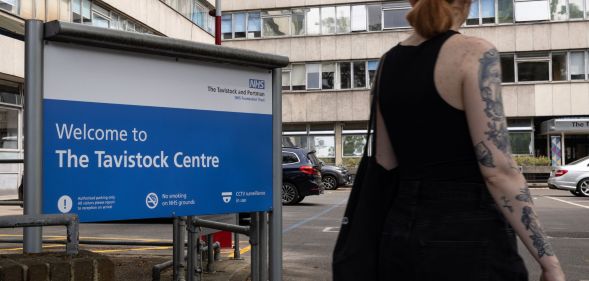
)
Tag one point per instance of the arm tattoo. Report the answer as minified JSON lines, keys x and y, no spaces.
{"x":506,"y":204}
{"x":526,"y":196}
{"x":490,"y":87}
{"x":530,"y":221}
{"x":484,"y":155}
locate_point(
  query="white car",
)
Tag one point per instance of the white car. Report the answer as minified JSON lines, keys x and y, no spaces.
{"x":573,"y":177}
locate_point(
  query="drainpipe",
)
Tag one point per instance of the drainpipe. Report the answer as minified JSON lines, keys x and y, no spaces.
{"x":217,"y":22}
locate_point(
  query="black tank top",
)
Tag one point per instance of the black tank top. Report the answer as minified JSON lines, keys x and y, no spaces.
{"x":430,"y":137}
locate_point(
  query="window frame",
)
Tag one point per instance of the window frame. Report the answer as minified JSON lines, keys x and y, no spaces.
{"x":533,"y":59}
{"x":400,"y":7}
{"x":15,"y":8}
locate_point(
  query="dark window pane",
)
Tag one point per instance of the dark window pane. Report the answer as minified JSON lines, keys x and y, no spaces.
{"x":359,"y":74}
{"x":8,"y":128}
{"x":354,"y":145}
{"x":559,"y":66}
{"x":374,"y":17}
{"x":533,"y":71}
{"x":327,"y":75}
{"x":505,"y":8}
{"x":345,"y":75}
{"x":395,"y":18}
{"x":521,"y":142}
{"x":507,"y":68}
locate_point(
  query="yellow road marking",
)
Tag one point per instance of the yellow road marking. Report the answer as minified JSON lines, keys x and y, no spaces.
{"x":18,"y":249}
{"x":92,"y":237}
{"x":132,"y":249}
{"x":242,"y":251}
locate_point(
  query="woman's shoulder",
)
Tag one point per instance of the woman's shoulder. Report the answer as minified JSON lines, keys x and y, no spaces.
{"x":471,"y":44}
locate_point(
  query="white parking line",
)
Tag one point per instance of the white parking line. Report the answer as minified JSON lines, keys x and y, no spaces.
{"x":571,"y":203}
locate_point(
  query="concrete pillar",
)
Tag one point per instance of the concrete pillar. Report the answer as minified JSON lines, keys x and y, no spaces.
{"x":338,"y":144}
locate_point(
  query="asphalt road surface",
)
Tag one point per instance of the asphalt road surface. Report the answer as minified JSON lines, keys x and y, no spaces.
{"x":310,"y":230}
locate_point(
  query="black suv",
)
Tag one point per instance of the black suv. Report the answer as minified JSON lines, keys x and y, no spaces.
{"x":301,"y":175}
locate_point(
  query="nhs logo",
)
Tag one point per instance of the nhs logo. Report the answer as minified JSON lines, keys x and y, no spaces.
{"x":257,"y":84}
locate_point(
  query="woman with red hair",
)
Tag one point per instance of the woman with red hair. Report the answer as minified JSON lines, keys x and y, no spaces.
{"x":441,"y":123}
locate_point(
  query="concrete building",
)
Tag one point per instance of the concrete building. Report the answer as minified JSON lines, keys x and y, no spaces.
{"x":334,"y":46}
{"x":182,"y":19}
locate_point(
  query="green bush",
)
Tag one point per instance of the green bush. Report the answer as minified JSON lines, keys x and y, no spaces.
{"x":526,"y":160}
{"x":351,"y":162}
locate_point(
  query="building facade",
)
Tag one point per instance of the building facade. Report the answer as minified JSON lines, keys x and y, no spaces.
{"x":334,"y":47}
{"x":182,"y":19}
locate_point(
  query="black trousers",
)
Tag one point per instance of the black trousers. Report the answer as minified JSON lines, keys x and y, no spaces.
{"x":438,"y":231}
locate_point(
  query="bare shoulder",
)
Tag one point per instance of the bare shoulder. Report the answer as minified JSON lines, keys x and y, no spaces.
{"x":475,"y":49}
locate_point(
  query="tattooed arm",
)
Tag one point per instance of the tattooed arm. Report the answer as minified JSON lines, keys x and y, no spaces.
{"x":484,"y":109}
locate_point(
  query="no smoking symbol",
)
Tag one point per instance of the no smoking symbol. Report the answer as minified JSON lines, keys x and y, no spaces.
{"x":151,"y":200}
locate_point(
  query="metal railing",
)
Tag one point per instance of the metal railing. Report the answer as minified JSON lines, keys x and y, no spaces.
{"x":71,"y":222}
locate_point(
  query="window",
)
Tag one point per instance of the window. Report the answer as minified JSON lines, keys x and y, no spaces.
{"x":374,"y":17}
{"x":276,"y":23}
{"x":199,"y":15}
{"x":345,"y":75}
{"x":481,"y":12}
{"x":505,"y":11}
{"x":226,"y":26}
{"x":395,"y":18}
{"x":298,"y":22}
{"x":521,"y":142}
{"x":8,"y":128}
{"x":254,"y":27}
{"x":531,"y":10}
{"x":359,"y":74}
{"x":359,"y":18}
{"x":239,"y":25}
{"x":558,"y":10}
{"x":559,"y":66}
{"x":100,"y":17}
{"x":298,"y":77}
{"x":286,"y":79}
{"x":313,"y":76}
{"x":372,"y":67}
{"x":507,"y":68}
{"x":533,"y":67}
{"x":577,"y":65}
{"x":327,"y":75}
{"x":587,"y":9}
{"x":323,"y":145}
{"x":81,"y":11}
{"x":353,"y":145}
{"x":313,"y":21}
{"x":9,"y":5}
{"x":343,"y":19}
{"x":576,"y":9}
{"x":289,"y":158}
{"x":328,"y":20}
{"x":295,"y":141}
{"x":473,"y":15}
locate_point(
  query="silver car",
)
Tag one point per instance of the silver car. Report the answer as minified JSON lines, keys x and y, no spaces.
{"x":573,"y":177}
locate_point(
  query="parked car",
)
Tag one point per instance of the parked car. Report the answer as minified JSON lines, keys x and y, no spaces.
{"x":334,"y":176}
{"x":573,"y":177}
{"x":301,"y":175}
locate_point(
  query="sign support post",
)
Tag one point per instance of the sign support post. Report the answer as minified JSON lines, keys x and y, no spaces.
{"x":275,"y":220}
{"x":33,"y":120}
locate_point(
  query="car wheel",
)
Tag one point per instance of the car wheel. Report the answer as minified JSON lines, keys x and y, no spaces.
{"x":289,"y":193}
{"x":330,"y":182}
{"x":583,"y":187}
{"x":299,"y":199}
{"x":576,"y":193}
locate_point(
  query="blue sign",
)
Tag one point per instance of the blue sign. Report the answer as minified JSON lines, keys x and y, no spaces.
{"x":111,"y":153}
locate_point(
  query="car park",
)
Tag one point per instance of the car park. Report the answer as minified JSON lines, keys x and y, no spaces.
{"x":573,"y":177}
{"x":334,"y":176}
{"x":301,"y":175}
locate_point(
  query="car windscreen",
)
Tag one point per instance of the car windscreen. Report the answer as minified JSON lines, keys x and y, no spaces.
{"x":578,"y":161}
{"x":311,"y":156}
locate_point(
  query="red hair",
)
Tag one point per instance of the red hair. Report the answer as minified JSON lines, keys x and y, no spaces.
{"x":431,"y":17}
